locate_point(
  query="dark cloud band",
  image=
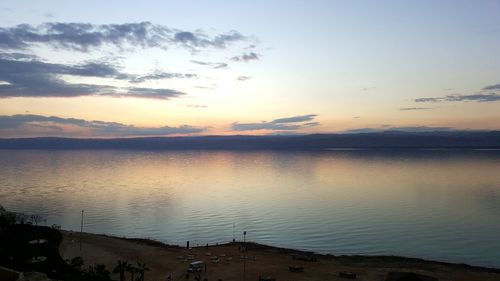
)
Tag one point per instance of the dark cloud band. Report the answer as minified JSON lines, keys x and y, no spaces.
{"x":53,"y":124}
{"x":85,"y":36}
{"x":30,"y":77}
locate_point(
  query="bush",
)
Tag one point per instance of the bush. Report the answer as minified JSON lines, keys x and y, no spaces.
{"x":76,"y":262}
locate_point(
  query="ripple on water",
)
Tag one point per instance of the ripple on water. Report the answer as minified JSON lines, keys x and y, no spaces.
{"x":437,"y":205}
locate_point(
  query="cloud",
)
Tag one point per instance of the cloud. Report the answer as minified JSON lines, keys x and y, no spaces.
{"x":414,"y":108}
{"x":214,"y":65}
{"x":262,"y":126}
{"x":295,"y":119}
{"x":160,"y":76}
{"x":243,"y":78}
{"x":429,"y":99}
{"x":85,"y":36}
{"x":149,"y":93}
{"x":67,"y":126}
{"x":205,"y":87}
{"x":195,"y":40}
{"x":388,"y":128}
{"x":246,"y":57}
{"x":196,"y":106}
{"x":18,"y":63}
{"x":492,"y":96}
{"x":474,"y":97}
{"x":311,"y":124}
{"x":26,"y":76}
{"x":280,"y":124}
{"x":495,"y":87}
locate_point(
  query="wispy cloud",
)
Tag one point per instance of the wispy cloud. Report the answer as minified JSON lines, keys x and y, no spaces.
{"x":495,"y":87}
{"x":196,"y":40}
{"x":280,"y":124}
{"x":414,"y":108}
{"x":246,"y":57}
{"x":295,"y":119}
{"x":243,"y":78}
{"x":148,"y":93}
{"x":474,"y":97}
{"x":196,"y":106}
{"x":66,"y":126}
{"x":160,"y":76}
{"x":388,"y":128}
{"x":214,"y":65}
{"x":487,"y":94}
{"x":85,"y":36}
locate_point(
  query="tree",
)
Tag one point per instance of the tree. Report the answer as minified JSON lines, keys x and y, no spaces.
{"x":141,"y":269}
{"x":132,"y":269}
{"x":98,"y":272}
{"x":76,"y":262}
{"x":35,"y":219}
{"x":121,"y":267}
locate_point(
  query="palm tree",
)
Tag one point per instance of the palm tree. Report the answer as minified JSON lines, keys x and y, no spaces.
{"x":101,"y":272}
{"x":132,"y":269}
{"x":141,"y":269}
{"x":121,"y":267}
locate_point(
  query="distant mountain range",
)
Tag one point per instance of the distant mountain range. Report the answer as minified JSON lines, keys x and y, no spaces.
{"x":379,"y":140}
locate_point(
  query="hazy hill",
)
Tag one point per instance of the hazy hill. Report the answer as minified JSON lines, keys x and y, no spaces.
{"x":380,"y":140}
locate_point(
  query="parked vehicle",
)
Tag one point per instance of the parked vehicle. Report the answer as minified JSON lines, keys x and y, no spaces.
{"x":196,"y":266}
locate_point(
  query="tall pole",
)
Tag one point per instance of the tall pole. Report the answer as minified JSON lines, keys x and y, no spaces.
{"x":81,"y":232}
{"x":245,"y":255}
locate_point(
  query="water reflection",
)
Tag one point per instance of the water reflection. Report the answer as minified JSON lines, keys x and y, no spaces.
{"x":431,"y":204}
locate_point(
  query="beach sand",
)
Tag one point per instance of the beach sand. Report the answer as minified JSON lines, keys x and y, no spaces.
{"x":261,"y":260}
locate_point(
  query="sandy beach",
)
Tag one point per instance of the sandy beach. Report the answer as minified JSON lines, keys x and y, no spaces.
{"x":227,"y":262}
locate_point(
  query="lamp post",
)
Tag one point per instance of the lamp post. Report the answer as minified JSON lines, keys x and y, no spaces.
{"x":244,"y":255}
{"x":233,"y":234}
{"x":81,"y":232}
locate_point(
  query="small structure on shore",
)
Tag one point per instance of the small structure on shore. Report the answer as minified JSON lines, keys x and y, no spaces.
{"x":408,"y":276}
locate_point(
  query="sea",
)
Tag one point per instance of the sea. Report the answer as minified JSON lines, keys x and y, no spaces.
{"x":440,"y":205}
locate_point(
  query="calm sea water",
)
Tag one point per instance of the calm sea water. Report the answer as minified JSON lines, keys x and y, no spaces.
{"x":441,"y":205}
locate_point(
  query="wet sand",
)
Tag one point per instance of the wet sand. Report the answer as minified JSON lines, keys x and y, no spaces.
{"x":261,"y":260}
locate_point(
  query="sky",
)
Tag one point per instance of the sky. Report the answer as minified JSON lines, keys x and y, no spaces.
{"x":170,"y":68}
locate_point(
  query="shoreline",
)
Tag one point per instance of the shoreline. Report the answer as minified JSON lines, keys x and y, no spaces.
{"x":255,"y":245}
{"x":263,"y":259}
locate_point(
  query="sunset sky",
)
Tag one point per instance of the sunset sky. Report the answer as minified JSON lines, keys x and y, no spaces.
{"x":168,"y":68}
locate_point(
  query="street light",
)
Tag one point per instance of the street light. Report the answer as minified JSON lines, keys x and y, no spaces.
{"x":81,"y":232}
{"x":244,"y":255}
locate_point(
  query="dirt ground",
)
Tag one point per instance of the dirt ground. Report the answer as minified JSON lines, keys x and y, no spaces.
{"x":264,"y":261}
